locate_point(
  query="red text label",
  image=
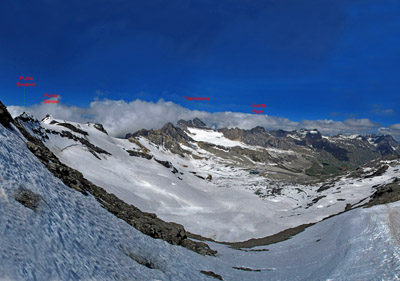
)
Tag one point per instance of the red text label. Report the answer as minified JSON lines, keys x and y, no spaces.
{"x":26,"y":84}
{"x":46,"y":95}
{"x":253,"y":105}
{"x":50,"y":95}
{"x":196,"y":98}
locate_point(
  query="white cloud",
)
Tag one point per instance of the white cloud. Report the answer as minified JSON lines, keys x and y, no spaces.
{"x":120,"y":117}
{"x":348,"y":126}
{"x":378,"y":109}
{"x":384,"y":111}
{"x":395,"y":126}
{"x":393,"y":130}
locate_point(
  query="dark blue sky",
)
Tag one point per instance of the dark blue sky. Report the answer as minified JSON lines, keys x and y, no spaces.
{"x":312,"y":59}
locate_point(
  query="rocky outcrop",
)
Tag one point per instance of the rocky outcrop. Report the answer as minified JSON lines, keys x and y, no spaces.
{"x":91,"y":147}
{"x":73,"y":128}
{"x":28,"y":198}
{"x":100,"y":128}
{"x":147,"y":223}
{"x":195,"y":123}
{"x":279,"y":133}
{"x":386,"y":193}
{"x":5,"y":118}
{"x":316,"y":141}
{"x":33,"y":124}
{"x":212,"y":274}
{"x":168,"y":165}
{"x":385,"y":144}
{"x":139,"y":154}
{"x":176,"y":133}
{"x":28,"y":121}
{"x":168,"y":136}
{"x":379,"y":172}
{"x":137,"y":142}
{"x":233,"y":133}
{"x":257,"y":136}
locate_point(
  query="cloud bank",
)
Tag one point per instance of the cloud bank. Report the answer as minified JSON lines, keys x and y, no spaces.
{"x":120,"y":117}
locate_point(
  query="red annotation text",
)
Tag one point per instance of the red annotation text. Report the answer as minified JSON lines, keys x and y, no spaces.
{"x":196,"y":98}
{"x":257,"y":106}
{"x":26,"y":84}
{"x":50,"y":96}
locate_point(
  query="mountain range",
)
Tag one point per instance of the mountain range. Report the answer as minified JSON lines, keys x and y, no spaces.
{"x":219,"y":193}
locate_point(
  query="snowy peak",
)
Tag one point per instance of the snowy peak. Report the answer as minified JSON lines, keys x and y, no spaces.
{"x":385,"y":144}
{"x":47,"y":118}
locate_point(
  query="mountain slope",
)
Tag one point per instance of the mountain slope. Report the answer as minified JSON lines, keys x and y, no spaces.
{"x":66,"y":235}
{"x":52,"y":232}
{"x":200,"y":179}
{"x":330,"y":154}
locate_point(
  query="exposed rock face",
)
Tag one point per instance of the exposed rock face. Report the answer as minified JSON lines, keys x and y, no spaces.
{"x":212,"y":274}
{"x":257,"y":136}
{"x":5,"y":117}
{"x":378,"y":172}
{"x":198,"y":123}
{"x":195,"y":123}
{"x":316,"y":141}
{"x":33,"y":124}
{"x":386,"y":193}
{"x":166,"y":164}
{"x":135,"y":141}
{"x":91,"y":147}
{"x":385,"y":144}
{"x":176,"y":133}
{"x":233,"y":134}
{"x":330,"y":155}
{"x":100,"y":128}
{"x":28,"y":198}
{"x":73,"y":128}
{"x":148,"y":223}
{"x":279,"y":133}
{"x":169,"y":136}
{"x":139,"y":154}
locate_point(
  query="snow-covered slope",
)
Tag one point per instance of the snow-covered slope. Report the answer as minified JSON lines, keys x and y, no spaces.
{"x":213,"y":137}
{"x":70,"y":236}
{"x":233,"y":206}
{"x":362,"y":244}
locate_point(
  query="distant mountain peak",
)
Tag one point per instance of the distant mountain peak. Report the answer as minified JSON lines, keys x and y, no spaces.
{"x":169,"y":136}
{"x":258,"y":130}
{"x":195,"y":123}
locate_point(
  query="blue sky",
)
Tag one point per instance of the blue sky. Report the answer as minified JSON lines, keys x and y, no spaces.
{"x":305,"y":60}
